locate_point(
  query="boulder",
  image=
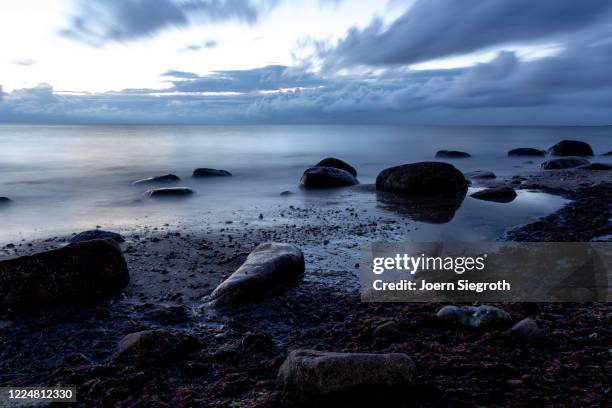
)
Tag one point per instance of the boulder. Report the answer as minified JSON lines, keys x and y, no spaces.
{"x":473,"y":316}
{"x":269,"y":267}
{"x":311,"y":377}
{"x":527,"y":151}
{"x":204,"y":172}
{"x":96,"y":234}
{"x":337,"y":164}
{"x":571,"y":148}
{"x":566,"y":163}
{"x":527,"y":331}
{"x":430,"y":179}
{"x":452,"y":154}
{"x":166,"y":178}
{"x":150,"y":347}
{"x":596,"y":166}
{"x":327,"y":177}
{"x":72,"y":273}
{"x":169,"y":192}
{"x":479,"y":174}
{"x":497,"y":194}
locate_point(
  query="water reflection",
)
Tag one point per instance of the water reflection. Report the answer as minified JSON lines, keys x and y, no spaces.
{"x":423,"y":209}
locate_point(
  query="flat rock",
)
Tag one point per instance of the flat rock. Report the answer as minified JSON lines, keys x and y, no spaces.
{"x":527,"y":151}
{"x":96,"y":234}
{"x":69,"y":274}
{"x":269,"y":267}
{"x":497,"y":194}
{"x":527,"y":331}
{"x":337,"y":164}
{"x":452,"y":154}
{"x":155,"y":347}
{"x":479,"y":174}
{"x":169,"y":192}
{"x":309,"y":376}
{"x":327,"y":177}
{"x":205,"y":172}
{"x":430,"y":179}
{"x":565,"y":163}
{"x":596,"y":166}
{"x":166,"y":178}
{"x":571,"y":148}
{"x":473,"y":316}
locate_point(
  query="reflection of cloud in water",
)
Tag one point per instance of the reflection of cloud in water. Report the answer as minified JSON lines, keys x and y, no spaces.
{"x":423,"y":209}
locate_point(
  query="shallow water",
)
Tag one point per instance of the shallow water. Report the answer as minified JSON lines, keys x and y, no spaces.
{"x":63,"y":179}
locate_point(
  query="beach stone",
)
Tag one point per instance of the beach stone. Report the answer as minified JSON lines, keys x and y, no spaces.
{"x":527,"y":151}
{"x":497,"y":194}
{"x":337,"y":164}
{"x":387,"y":330}
{"x":432,"y":179}
{"x":169,"y":192}
{"x":4,"y":200}
{"x":160,"y":346}
{"x":452,"y":154}
{"x":571,"y":148}
{"x":72,"y":273}
{"x":96,"y":234}
{"x":270,"y":266}
{"x":527,"y":331}
{"x":309,"y":376}
{"x":479,"y":174}
{"x":565,"y":163}
{"x":473,"y":316}
{"x":166,"y":178}
{"x":596,"y":166}
{"x":326,"y":177}
{"x":204,"y":172}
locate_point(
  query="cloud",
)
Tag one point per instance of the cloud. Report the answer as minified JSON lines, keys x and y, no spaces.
{"x":197,"y":47}
{"x":25,"y":62}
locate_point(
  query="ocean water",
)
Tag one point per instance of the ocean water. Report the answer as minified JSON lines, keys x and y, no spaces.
{"x":64,"y":179}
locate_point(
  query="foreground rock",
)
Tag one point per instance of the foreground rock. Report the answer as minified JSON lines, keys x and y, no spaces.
{"x":571,"y":148}
{"x":497,"y":194}
{"x":430,"y":179}
{"x":309,"y":376}
{"x":479,"y":174}
{"x":96,"y":234}
{"x":527,"y":151}
{"x":337,"y":164}
{"x":204,"y":172}
{"x":64,"y":275}
{"x":596,"y":166}
{"x":155,"y":347}
{"x":473,"y":316}
{"x":528,"y":331}
{"x":452,"y":154}
{"x":566,"y":163}
{"x":327,"y":177}
{"x":166,"y":178}
{"x":169,"y":192}
{"x":269,"y":267}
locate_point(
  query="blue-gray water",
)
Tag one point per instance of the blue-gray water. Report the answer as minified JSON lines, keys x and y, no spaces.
{"x":64,"y":179}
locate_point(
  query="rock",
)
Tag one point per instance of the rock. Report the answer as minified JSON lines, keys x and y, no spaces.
{"x":311,"y":377}
{"x":269,"y":267}
{"x":326,"y":177}
{"x":526,"y":151}
{"x":608,"y":154}
{"x":473,"y":316}
{"x":204,"y":172}
{"x":566,"y":163}
{"x":4,"y":201}
{"x":527,"y":331}
{"x":96,"y":234}
{"x":155,"y":347}
{"x":571,"y":148}
{"x":169,"y":192}
{"x":432,"y":179}
{"x":452,"y":154}
{"x":286,"y":193}
{"x":388,"y":330}
{"x":596,"y":166}
{"x":479,"y":174}
{"x":337,"y":164}
{"x":497,"y":194}
{"x":166,"y":178}
{"x":74,"y":272}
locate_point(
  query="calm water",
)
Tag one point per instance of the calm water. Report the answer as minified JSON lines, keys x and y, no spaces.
{"x":67,"y":178}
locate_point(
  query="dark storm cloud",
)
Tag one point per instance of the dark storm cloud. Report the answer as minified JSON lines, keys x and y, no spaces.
{"x":433,"y":29}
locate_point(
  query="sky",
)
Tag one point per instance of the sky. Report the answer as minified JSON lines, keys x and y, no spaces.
{"x":482,"y":62}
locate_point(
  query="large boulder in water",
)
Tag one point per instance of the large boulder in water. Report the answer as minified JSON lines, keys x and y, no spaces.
{"x":571,"y":148}
{"x":430,"y":179}
{"x":205,"y":172}
{"x":452,"y":154}
{"x":327,"y":177}
{"x":269,"y":267}
{"x":169,"y":192}
{"x":527,"y":151}
{"x":97,"y":234}
{"x":565,"y":163}
{"x":337,"y":164}
{"x":166,"y":178}
{"x":497,"y":194}
{"x":72,"y":273}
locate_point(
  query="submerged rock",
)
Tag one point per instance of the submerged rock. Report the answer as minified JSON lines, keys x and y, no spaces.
{"x":204,"y":172}
{"x":527,"y":331}
{"x":75,"y":272}
{"x":566,"y":163}
{"x":473,"y":316}
{"x":155,"y":346}
{"x":452,"y":154}
{"x":527,"y":151}
{"x":596,"y":166}
{"x":337,"y":164}
{"x":571,"y":148}
{"x":169,"y":192}
{"x":432,"y":179}
{"x":309,"y":376}
{"x":166,"y":178}
{"x":418,"y":208}
{"x":327,"y":177}
{"x":479,"y":174}
{"x":96,"y":234}
{"x":497,"y":194}
{"x":269,"y":267}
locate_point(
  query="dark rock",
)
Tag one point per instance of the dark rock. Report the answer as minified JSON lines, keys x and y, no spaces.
{"x":596,"y":166}
{"x":166,"y":178}
{"x":337,"y":164}
{"x":566,"y":163}
{"x":204,"y":172}
{"x":75,"y":272}
{"x":97,"y":234}
{"x":571,"y":148}
{"x":473,"y":316}
{"x":608,"y":154}
{"x":311,"y":377}
{"x":526,"y":151}
{"x":527,"y":331}
{"x":169,"y":192}
{"x":326,"y":177}
{"x":269,"y":267}
{"x":388,"y":330}
{"x":497,"y":194}
{"x":479,"y":174}
{"x":155,"y":347}
{"x":432,"y":179}
{"x":4,"y":201}
{"x":286,"y":193}
{"x":452,"y":154}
